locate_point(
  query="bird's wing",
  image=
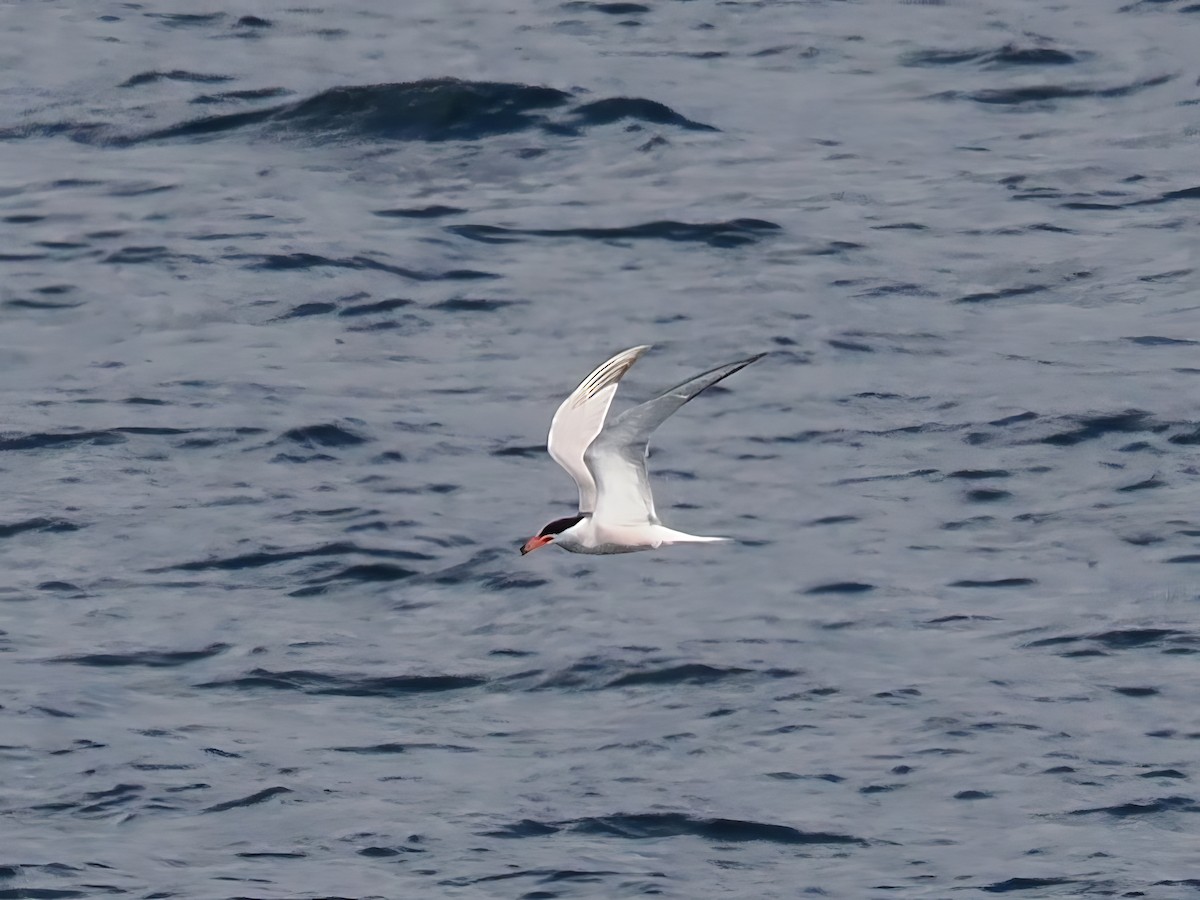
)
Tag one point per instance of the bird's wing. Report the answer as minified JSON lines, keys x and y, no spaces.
{"x":617,"y":458}
{"x":580,"y":418}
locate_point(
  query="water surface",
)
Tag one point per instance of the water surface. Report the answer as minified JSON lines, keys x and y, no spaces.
{"x":289,"y":295}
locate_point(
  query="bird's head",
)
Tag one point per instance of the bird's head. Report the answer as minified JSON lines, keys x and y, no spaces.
{"x":550,"y":532}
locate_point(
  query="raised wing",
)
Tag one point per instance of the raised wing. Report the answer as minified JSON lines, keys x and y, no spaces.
{"x":580,"y":418}
{"x":617,"y":458}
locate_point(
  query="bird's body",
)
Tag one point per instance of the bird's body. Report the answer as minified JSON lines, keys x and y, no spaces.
{"x":590,"y":536}
{"x":607,"y":460}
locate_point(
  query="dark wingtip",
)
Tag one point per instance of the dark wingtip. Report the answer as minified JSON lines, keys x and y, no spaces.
{"x":742,"y":363}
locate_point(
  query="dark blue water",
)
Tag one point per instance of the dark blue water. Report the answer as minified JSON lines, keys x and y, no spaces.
{"x":290,"y":294}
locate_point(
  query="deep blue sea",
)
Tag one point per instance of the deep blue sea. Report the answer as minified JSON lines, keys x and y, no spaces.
{"x":289,"y":293}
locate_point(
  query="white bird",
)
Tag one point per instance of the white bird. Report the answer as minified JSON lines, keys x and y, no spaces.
{"x":608,"y":462}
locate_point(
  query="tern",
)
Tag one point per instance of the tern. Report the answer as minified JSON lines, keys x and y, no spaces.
{"x":608,"y":462}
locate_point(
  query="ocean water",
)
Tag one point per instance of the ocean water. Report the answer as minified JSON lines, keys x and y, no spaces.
{"x":289,"y":295}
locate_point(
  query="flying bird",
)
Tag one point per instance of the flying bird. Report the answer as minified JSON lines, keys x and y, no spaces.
{"x":608,"y":462}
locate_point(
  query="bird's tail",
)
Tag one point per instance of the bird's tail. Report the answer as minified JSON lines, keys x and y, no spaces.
{"x":671,"y":536}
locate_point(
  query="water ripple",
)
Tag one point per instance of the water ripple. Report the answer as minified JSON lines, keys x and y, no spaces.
{"x":323,"y":683}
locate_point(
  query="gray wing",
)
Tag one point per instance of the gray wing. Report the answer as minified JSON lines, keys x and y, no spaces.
{"x":617,"y":457}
